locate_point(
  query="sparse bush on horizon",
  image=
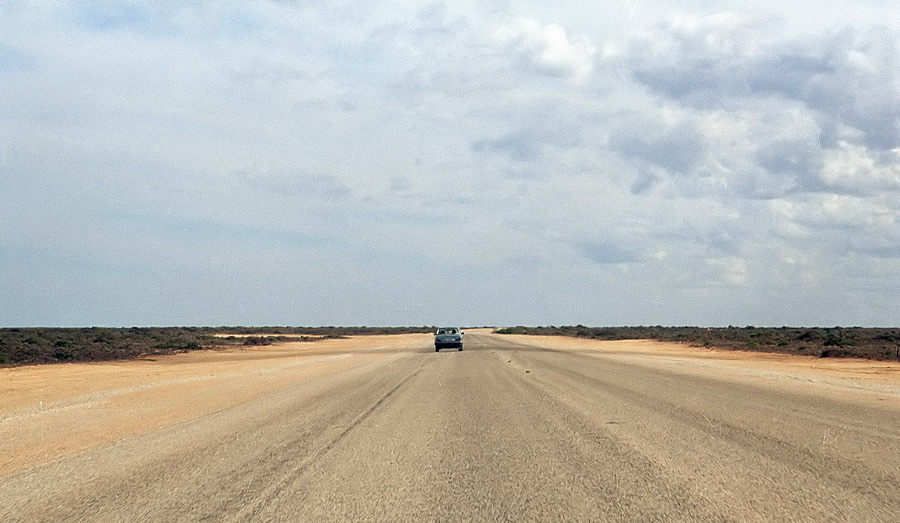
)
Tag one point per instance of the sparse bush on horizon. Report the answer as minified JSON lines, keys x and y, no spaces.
{"x":871,"y":343}
{"x":35,"y":345}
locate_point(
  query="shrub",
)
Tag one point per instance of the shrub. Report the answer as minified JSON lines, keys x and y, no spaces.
{"x":836,"y":341}
{"x":809,"y":335}
{"x":514,"y":330}
{"x":63,"y":355}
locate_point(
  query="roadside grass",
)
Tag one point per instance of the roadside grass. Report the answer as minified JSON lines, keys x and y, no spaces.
{"x":29,"y":346}
{"x":824,"y":342}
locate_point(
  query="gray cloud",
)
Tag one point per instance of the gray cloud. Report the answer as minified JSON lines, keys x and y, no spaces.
{"x":676,"y":147}
{"x":850,"y":78}
{"x":797,"y":161}
{"x":608,"y":252}
{"x":527,"y":144}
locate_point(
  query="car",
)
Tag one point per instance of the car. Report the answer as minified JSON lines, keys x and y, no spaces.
{"x":446,"y":337}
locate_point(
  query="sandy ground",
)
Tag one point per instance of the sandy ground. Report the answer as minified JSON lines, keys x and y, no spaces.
{"x":50,"y":411}
{"x":844,"y":377}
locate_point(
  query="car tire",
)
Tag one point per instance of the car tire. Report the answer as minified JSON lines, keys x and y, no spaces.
{"x":437,"y":349}
{"x":460,"y":349}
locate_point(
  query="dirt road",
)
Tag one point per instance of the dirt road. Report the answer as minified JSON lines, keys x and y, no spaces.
{"x":512,"y":428}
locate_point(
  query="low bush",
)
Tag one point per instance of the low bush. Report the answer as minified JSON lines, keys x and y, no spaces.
{"x":871,"y":343}
{"x":25,"y":346}
{"x":63,"y":355}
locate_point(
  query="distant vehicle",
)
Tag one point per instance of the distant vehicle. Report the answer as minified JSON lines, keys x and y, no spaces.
{"x":447,"y":337}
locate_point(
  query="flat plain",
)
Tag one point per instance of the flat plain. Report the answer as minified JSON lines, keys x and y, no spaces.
{"x":382,"y":428}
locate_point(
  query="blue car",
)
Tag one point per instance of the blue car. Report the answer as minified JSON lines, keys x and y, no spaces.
{"x":447,"y":337}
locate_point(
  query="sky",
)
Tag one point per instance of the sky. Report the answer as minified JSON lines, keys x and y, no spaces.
{"x":340,"y":162}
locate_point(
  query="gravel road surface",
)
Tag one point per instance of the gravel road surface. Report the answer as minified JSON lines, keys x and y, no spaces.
{"x":511,"y":429}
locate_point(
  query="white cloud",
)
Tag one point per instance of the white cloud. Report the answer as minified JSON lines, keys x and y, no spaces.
{"x":732,"y":271}
{"x":549,"y":49}
{"x":856,"y":169}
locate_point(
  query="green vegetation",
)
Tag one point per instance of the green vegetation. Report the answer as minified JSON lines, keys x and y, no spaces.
{"x":25,"y":346}
{"x":871,"y":343}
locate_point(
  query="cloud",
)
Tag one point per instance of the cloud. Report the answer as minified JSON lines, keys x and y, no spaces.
{"x":608,"y":252}
{"x":850,"y":78}
{"x":796,"y":161}
{"x":527,"y":143}
{"x":666,"y":141}
{"x":549,"y":49}
{"x":765,"y":114}
{"x":856,"y":170}
{"x":789,"y":157}
{"x":695,"y":59}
